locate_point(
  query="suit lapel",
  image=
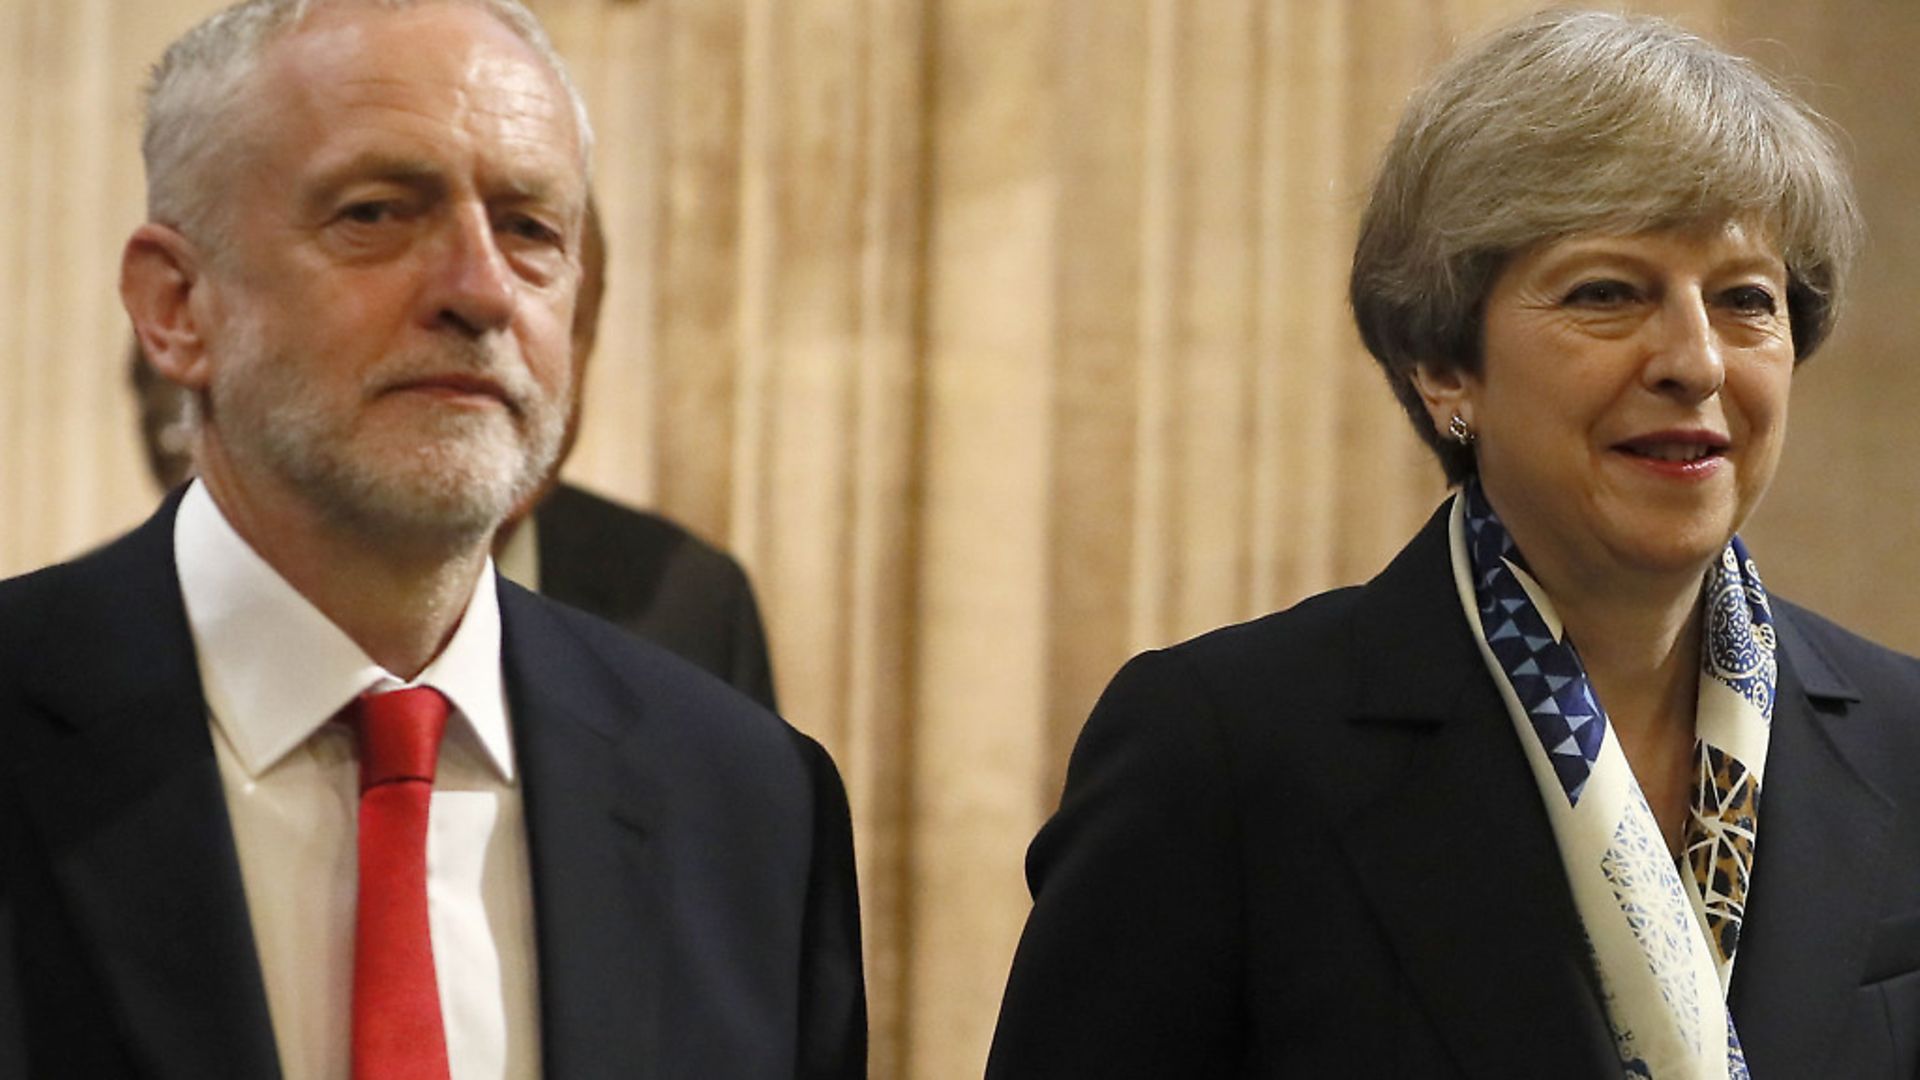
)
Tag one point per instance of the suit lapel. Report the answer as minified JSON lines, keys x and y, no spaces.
{"x":596,"y":889}
{"x":1455,"y":853}
{"x":1823,"y":834}
{"x":125,"y":795}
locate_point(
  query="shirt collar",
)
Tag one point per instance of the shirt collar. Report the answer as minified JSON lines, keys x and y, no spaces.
{"x":274,"y":669}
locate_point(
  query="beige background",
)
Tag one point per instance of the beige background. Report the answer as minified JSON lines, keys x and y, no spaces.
{"x":1001,"y":339}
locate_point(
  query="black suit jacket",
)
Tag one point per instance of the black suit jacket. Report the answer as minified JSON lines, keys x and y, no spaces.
{"x":1310,"y":845}
{"x":655,"y":579}
{"x":691,"y":855}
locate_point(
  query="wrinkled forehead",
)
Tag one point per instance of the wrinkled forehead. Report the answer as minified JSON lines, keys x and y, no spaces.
{"x":428,"y":70}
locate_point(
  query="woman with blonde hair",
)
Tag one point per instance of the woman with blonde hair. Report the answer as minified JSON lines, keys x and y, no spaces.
{"x":1563,"y":792}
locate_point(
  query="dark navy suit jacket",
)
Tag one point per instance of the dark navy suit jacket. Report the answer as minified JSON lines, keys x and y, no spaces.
{"x":1310,"y":846}
{"x":650,"y":577}
{"x":692,"y":860}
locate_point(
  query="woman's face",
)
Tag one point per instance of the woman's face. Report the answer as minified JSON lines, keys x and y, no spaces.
{"x":1632,"y":396}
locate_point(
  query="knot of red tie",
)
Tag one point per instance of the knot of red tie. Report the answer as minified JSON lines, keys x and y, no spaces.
{"x":399,"y":733}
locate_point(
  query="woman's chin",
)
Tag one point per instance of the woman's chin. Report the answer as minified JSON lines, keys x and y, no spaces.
{"x":1668,"y":545}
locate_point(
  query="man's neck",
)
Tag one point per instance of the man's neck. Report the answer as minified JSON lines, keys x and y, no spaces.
{"x":399,"y":599}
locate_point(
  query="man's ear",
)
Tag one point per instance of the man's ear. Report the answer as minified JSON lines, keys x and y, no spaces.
{"x":160,"y":274}
{"x":1446,"y":391}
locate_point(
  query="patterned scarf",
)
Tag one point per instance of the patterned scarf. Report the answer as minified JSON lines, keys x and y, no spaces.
{"x":1663,"y":936}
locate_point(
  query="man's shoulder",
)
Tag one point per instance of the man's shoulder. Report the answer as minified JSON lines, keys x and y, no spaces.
{"x":42,"y":585}
{"x":667,"y":718}
{"x":105,"y":585}
{"x":544,"y":639}
{"x":102,"y":636}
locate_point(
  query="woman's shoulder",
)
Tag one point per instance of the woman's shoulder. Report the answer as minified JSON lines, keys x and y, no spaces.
{"x":1296,"y":661}
{"x":1314,"y":618}
{"x":1308,"y":634}
{"x":1399,"y":625}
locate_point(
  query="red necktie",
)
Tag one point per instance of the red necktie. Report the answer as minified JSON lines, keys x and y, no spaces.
{"x":397,"y":1031}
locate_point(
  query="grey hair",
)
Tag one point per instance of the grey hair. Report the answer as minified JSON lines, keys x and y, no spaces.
{"x":1582,"y":121}
{"x":199,"y":85}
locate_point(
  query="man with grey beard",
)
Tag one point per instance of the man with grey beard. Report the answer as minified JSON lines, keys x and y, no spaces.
{"x":290,"y":783}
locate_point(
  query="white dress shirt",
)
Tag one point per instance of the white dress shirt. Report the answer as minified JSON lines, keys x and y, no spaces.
{"x":276,"y":672}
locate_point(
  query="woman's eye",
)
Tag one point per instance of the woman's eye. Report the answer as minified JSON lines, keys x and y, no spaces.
{"x":1604,"y":293}
{"x":1752,"y":300}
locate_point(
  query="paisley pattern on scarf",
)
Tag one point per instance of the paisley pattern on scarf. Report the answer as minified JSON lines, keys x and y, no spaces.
{"x":1739,"y":654}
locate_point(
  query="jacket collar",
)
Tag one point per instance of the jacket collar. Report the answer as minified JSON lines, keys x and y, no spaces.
{"x":1824,"y":832}
{"x":1455,"y":853}
{"x":593,"y":764}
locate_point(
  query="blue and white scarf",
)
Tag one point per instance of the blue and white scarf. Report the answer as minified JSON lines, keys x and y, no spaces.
{"x":1663,"y":936}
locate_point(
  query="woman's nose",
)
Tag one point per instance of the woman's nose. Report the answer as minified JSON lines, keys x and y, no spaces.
{"x":1685,"y":358}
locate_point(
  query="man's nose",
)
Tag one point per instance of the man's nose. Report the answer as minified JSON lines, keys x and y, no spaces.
{"x":475,"y":287}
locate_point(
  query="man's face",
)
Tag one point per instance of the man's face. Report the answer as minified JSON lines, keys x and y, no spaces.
{"x":388,"y":328}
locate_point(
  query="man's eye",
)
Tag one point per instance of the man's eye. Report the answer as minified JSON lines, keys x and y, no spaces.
{"x":369,"y":213}
{"x":1604,"y":293}
{"x":530,"y":228}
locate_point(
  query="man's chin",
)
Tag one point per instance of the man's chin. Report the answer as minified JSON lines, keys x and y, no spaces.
{"x":451,"y":498}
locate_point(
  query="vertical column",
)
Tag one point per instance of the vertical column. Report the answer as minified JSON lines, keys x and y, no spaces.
{"x":990,"y":355}
{"x":1217,"y":158}
{"x":876,"y":745}
{"x":1275,"y":285}
{"x":823,"y":444}
{"x":1152,"y":582}
{"x":1101,"y":52}
{"x":1303,"y":269}
{"x":36,"y":319}
{"x":800,"y":333}
{"x":617,"y":54}
{"x":15,"y":90}
{"x":66,"y":418}
{"x":699,"y":260}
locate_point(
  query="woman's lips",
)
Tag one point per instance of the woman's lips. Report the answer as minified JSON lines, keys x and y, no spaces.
{"x":1679,"y":454}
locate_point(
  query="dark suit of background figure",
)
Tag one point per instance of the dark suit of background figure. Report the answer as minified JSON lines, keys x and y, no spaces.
{"x":653,"y":578}
{"x":690,"y":853}
{"x":1311,"y":846}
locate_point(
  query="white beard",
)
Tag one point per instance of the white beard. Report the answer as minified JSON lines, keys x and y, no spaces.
{"x":452,"y":480}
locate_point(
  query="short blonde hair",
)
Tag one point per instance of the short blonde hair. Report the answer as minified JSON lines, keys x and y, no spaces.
{"x":1582,"y":121}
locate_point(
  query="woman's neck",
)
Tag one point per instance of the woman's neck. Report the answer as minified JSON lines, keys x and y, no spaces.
{"x":1641,"y":651}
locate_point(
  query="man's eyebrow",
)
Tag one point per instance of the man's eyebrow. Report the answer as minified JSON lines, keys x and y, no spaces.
{"x":530,"y":188}
{"x":376,"y":166}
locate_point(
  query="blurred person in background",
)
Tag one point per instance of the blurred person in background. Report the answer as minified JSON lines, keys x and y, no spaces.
{"x":1563,"y":792}
{"x":635,"y":569}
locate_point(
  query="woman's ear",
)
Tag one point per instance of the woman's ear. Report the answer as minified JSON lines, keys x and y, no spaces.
{"x":159,"y":273}
{"x":1446,"y":391}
